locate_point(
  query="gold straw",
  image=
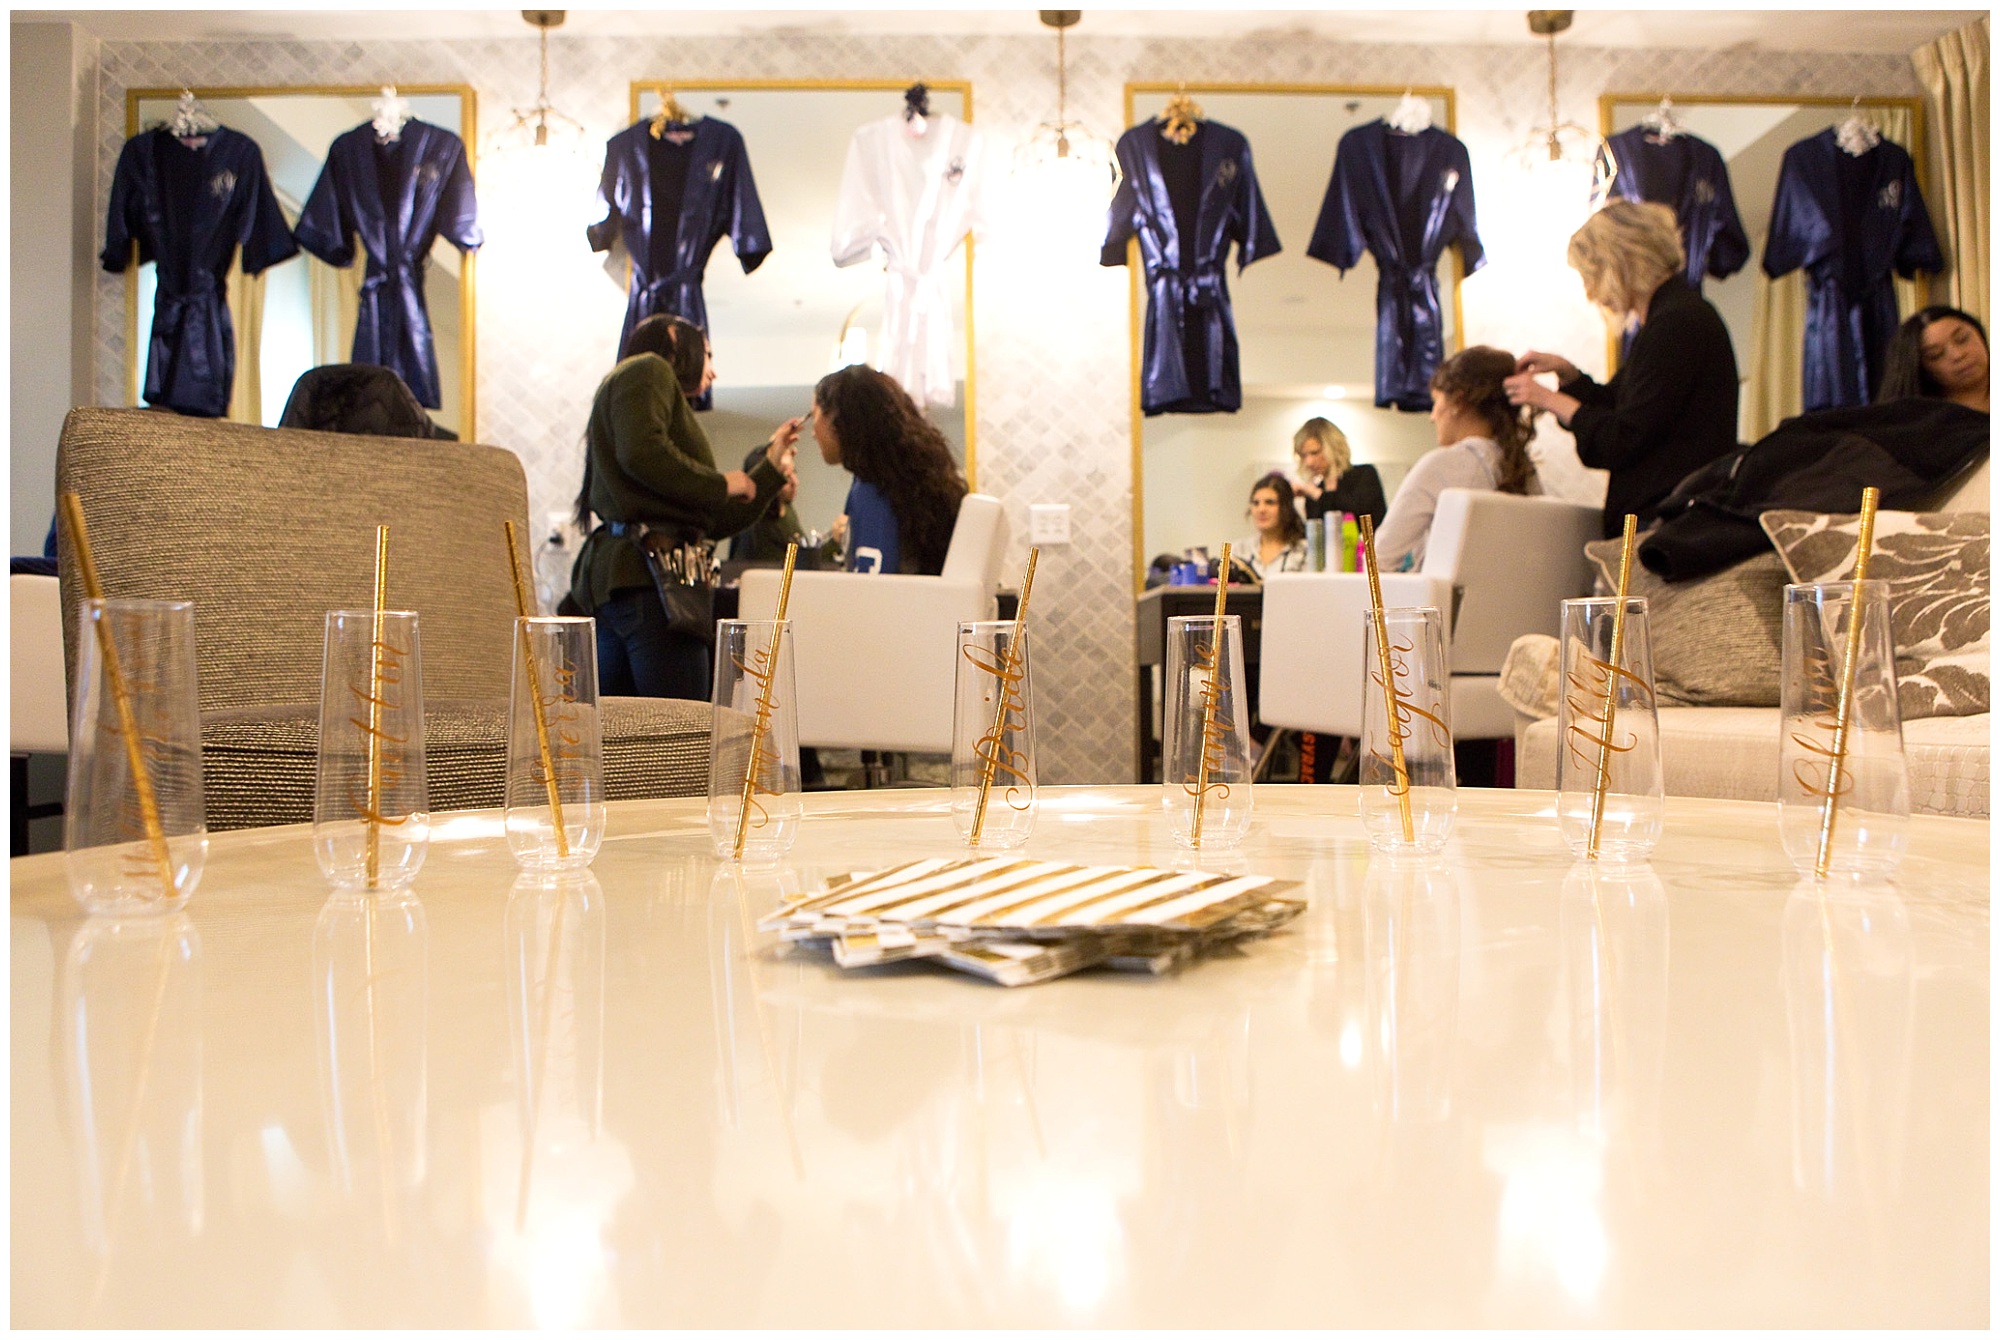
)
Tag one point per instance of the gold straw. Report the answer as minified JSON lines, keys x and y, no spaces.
{"x":1211,"y":698}
{"x":1389,"y":695}
{"x":1008,"y":666}
{"x":764,"y":704}
{"x":1844,"y":713}
{"x":1603,"y":787}
{"x":526,"y":612}
{"x":128,"y":723}
{"x":375,"y":709}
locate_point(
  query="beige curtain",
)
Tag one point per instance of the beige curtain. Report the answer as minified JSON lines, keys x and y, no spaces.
{"x":246,"y":313}
{"x":336,"y":307}
{"x":1774,"y":383}
{"x":1953,"y":70}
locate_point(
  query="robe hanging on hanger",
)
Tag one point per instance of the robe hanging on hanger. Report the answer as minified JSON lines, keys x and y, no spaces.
{"x":397,"y":197}
{"x":916,"y":196}
{"x":1853,"y":222}
{"x":1687,"y":174}
{"x":1186,"y":203}
{"x":1404,"y":198}
{"x":670,"y":200}
{"x":189,"y":209}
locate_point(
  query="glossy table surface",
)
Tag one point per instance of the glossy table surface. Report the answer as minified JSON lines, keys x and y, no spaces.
{"x":1493,"y":1089}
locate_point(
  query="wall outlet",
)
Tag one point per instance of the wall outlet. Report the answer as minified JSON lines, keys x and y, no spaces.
{"x":1048,"y":523}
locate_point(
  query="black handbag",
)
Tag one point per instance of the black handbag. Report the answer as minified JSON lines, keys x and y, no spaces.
{"x":684,"y":572}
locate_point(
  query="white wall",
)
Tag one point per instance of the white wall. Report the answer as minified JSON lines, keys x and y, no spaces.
{"x":52,"y":77}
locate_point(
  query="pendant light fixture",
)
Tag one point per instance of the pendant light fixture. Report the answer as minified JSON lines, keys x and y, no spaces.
{"x":1556,"y":161}
{"x":1066,"y":170}
{"x":541,"y":125}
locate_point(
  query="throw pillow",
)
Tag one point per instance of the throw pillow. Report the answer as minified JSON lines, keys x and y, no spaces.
{"x":1716,"y":638}
{"x":1940,"y":595}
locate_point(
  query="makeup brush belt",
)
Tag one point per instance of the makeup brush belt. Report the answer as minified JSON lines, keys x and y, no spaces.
{"x":684,"y":571}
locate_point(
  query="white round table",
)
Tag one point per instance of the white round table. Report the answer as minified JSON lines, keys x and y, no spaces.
{"x":1495,"y":1089}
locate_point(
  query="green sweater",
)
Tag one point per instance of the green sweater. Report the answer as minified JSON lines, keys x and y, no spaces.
{"x":650,"y":461}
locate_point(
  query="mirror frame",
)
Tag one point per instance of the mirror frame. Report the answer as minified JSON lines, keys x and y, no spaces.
{"x":1608,"y":102}
{"x":468,"y":339}
{"x":641,"y":87}
{"x":1137,"y":314}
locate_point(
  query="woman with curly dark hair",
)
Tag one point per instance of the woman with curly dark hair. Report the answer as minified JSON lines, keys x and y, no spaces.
{"x":904,"y":501}
{"x":1482,"y":444}
{"x":1280,"y":542}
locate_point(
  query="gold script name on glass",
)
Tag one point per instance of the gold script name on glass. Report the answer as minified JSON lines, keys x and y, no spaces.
{"x":390,"y":659}
{"x":561,"y":712}
{"x":764,"y":770}
{"x":1820,"y":729}
{"x":1402,"y":712}
{"x":1590,"y":697}
{"x":1214,"y":726}
{"x":992,"y":750}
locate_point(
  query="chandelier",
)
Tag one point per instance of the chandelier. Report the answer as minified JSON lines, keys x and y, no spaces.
{"x":1555,"y":141}
{"x":532,"y":126}
{"x":1077,"y":167}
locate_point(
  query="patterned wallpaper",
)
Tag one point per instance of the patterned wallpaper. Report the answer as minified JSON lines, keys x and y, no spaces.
{"x":1051,"y":339}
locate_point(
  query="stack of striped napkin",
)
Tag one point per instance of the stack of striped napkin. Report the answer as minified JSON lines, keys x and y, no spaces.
{"x":1016,"y":922}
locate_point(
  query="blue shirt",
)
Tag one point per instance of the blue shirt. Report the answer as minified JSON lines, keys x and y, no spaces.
{"x":872,"y":535}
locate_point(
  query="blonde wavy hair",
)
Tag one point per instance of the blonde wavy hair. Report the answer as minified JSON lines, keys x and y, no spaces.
{"x":1624,"y":252}
{"x":1338,"y":454}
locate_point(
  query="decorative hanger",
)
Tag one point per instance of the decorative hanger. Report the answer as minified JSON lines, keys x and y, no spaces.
{"x":1181,"y":116}
{"x":392,"y":113}
{"x":1857,"y":134}
{"x":1412,"y":115}
{"x":191,"y":120}
{"x":670,"y":113}
{"x":1663,"y":123}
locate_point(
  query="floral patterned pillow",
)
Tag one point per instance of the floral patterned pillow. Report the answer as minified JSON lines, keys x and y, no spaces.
{"x":1940,"y":595}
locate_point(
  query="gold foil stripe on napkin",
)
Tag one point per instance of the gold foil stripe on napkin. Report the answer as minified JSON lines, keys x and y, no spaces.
{"x":843,"y":886}
{"x":891,"y":901}
{"x":1088,"y":884}
{"x":1036,"y":896}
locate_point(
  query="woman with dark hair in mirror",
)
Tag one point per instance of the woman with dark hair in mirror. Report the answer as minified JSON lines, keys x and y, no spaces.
{"x":904,"y":501}
{"x":1941,"y":353}
{"x":1280,"y":542}
{"x":648,"y":467}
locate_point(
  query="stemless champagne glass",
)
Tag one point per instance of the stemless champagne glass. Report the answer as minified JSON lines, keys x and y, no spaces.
{"x":1409,"y":783}
{"x":1206,"y":768}
{"x":371,"y":813}
{"x":993,"y":736}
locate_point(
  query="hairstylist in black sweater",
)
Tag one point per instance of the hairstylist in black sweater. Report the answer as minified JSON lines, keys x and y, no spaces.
{"x":1671,"y":408}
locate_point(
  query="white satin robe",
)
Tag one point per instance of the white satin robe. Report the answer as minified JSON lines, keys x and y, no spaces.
{"x":915,"y":196}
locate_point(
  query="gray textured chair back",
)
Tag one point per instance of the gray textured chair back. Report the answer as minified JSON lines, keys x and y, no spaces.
{"x":267,"y":529}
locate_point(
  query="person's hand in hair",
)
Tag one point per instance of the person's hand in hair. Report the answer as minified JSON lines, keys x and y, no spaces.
{"x":1534,"y":361}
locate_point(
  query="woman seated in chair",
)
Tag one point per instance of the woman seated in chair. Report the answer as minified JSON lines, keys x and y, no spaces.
{"x":1280,"y":542}
{"x":904,"y":501}
{"x":1482,"y":444}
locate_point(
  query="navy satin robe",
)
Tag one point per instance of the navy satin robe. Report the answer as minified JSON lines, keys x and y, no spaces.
{"x":1852,"y":222}
{"x":189,"y":210}
{"x":670,"y":254}
{"x":427,"y":194}
{"x":1190,"y":362}
{"x":1405,"y":198}
{"x":1687,"y":174}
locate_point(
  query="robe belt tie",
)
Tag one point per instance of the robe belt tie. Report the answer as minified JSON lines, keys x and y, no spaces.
{"x":1202,"y":291}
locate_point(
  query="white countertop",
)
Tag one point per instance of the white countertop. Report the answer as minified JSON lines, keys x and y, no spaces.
{"x":1479,"y":1092}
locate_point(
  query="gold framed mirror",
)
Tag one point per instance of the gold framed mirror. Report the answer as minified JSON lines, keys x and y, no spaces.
{"x":1766,"y":318}
{"x":1305,"y":332}
{"x":305,"y":309}
{"x":777,"y":331}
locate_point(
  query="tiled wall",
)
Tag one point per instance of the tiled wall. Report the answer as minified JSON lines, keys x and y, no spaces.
{"x":1051,"y":341}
